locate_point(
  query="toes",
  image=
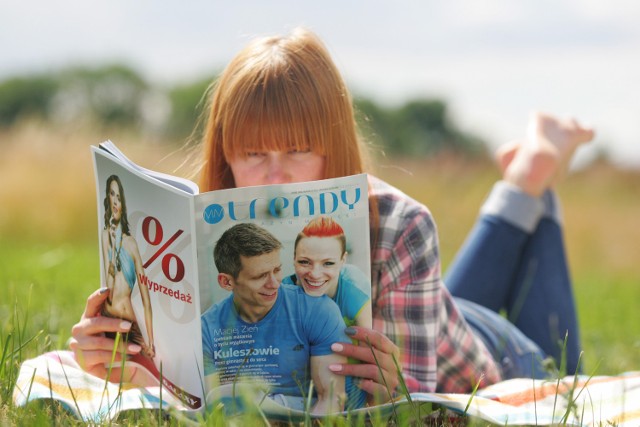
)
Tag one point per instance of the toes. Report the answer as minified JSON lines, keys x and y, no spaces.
{"x":505,"y":154}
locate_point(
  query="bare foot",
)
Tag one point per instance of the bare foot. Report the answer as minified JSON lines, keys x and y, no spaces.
{"x":505,"y":154}
{"x":545,"y":155}
{"x":566,"y":135}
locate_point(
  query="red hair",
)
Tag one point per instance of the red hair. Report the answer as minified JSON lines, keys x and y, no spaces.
{"x":323,"y":226}
{"x":280,"y":93}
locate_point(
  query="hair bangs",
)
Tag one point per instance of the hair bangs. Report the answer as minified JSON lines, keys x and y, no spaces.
{"x":276,"y":112}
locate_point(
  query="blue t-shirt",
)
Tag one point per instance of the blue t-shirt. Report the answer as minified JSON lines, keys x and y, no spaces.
{"x":351,"y":297}
{"x":278,"y":347}
{"x":351,"y":293}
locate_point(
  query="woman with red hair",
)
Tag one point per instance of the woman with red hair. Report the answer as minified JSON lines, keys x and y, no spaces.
{"x":320,"y":261}
{"x":281,"y":112}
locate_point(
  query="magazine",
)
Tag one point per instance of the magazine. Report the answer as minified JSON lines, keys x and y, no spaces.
{"x":207,"y":319}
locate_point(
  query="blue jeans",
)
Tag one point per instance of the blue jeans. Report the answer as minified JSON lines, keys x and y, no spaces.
{"x":514,"y":261}
{"x":517,"y":355}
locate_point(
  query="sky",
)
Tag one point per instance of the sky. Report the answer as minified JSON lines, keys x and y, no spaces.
{"x":493,"y":61}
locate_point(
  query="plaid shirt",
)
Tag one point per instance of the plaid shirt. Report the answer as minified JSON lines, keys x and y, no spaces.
{"x":411,"y":306}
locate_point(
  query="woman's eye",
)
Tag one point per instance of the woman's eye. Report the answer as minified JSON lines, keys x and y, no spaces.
{"x":254,"y":154}
{"x":303,"y":262}
{"x":329,"y":263}
{"x":299,"y":151}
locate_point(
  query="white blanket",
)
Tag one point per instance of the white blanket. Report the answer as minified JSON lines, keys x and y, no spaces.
{"x":584,"y":401}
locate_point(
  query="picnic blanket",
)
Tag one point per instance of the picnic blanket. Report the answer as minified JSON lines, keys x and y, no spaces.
{"x":579,"y":400}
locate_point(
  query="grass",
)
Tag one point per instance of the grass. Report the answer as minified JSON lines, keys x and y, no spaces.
{"x":49,"y":251}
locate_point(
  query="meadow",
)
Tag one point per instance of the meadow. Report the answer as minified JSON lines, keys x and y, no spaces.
{"x":49,"y":250}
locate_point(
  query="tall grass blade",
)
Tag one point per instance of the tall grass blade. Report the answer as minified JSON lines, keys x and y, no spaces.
{"x":33,"y":377}
{"x":384,"y":380}
{"x":105,"y":390}
{"x":473,"y":394}
{"x":73,"y":396}
{"x":405,"y":390}
{"x":307,"y":404}
{"x":4,"y":354}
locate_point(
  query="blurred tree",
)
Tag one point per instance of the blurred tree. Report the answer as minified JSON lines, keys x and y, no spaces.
{"x":107,"y":95}
{"x":188,"y":101}
{"x":21,"y":97}
{"x":116,"y":95}
{"x":417,"y":128}
{"x":110,"y":95}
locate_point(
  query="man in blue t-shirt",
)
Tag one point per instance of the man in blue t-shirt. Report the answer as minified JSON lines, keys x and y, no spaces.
{"x":270,"y":331}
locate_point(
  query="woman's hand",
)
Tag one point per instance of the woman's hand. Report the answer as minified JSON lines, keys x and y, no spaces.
{"x":93,"y":351}
{"x":377,"y":370}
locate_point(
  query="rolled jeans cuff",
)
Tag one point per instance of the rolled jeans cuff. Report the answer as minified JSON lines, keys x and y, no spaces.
{"x":510,"y":203}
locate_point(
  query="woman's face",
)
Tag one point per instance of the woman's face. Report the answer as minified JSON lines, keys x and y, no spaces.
{"x":114,"y":201}
{"x":317,"y":262}
{"x":276,"y":167}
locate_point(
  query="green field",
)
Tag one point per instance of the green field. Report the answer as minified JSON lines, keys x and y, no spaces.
{"x":49,"y":252}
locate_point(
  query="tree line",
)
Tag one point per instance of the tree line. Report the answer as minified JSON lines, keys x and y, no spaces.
{"x":117,"y":95}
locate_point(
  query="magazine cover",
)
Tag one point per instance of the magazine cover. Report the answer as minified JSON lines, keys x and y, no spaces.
{"x":147,"y":261}
{"x":241,"y":286}
{"x":284,"y":269}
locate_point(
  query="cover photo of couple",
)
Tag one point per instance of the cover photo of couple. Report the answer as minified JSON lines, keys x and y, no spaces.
{"x":279,"y":328}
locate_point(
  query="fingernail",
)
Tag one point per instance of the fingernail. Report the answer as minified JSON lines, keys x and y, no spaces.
{"x":135,"y":348}
{"x":337,"y":347}
{"x":335,"y":368}
{"x":350,"y":331}
{"x":104,"y":290}
{"x":125,"y":324}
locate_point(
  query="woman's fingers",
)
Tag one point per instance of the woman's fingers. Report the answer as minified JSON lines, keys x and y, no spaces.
{"x":380,"y":383}
{"x":372,"y":371}
{"x":94,"y":352}
{"x":92,"y":349}
{"x":372,"y":338}
{"x":377,"y":368}
{"x":373,"y":347}
{"x":97,"y":325}
{"x":366,"y":355}
{"x":95,"y":302}
{"x":99,"y":342}
{"x":91,"y":323}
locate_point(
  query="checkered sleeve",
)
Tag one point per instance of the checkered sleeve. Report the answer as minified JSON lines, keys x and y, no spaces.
{"x":411,"y":305}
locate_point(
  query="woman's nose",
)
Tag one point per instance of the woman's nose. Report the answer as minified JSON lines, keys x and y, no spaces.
{"x":316,"y":270}
{"x":276,"y":169}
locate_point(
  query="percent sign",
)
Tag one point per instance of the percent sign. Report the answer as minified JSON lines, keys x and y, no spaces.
{"x":156,"y":240}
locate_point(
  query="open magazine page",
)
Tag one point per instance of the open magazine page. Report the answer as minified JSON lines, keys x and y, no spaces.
{"x":270,"y":316}
{"x":174,"y":181}
{"x":147,"y":260}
